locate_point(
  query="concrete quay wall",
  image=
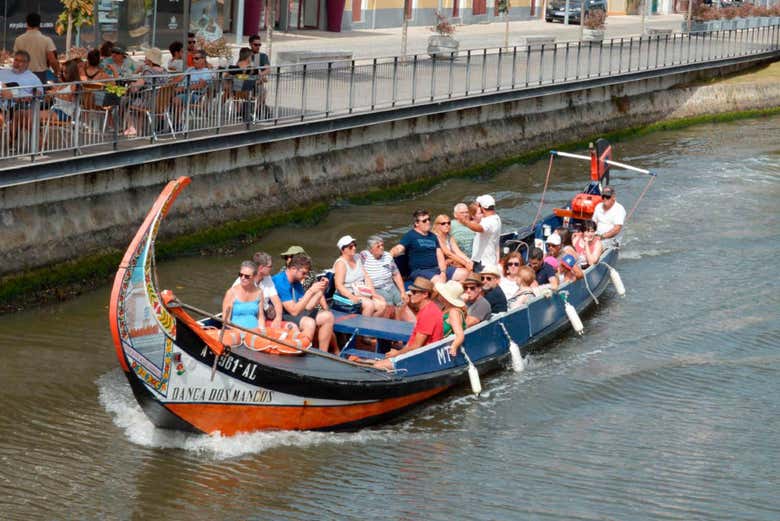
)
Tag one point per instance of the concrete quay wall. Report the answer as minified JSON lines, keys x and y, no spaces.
{"x":47,"y":222}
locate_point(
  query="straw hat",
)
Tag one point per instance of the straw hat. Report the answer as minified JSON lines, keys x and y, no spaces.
{"x":154,"y":55}
{"x":422,"y":284}
{"x":451,"y":292}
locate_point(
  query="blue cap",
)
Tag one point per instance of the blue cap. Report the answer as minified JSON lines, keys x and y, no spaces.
{"x":568,"y":261}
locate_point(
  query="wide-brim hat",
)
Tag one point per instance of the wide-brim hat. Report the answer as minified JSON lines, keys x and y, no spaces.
{"x":451,"y":292}
{"x":491,"y":269}
{"x":154,"y":55}
{"x":292,"y":250}
{"x":473,"y":278}
{"x":422,"y":284}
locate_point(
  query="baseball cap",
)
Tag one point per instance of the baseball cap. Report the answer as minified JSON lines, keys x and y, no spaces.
{"x":345,"y":241}
{"x":554,"y":239}
{"x":486,"y":201}
{"x":568,"y":261}
{"x":292,"y":250}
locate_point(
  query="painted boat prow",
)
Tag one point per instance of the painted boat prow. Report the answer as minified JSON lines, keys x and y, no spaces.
{"x":141,"y":327}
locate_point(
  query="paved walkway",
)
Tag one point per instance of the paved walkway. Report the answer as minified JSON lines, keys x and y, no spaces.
{"x":387,"y":42}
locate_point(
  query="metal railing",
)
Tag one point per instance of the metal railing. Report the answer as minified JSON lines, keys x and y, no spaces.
{"x":89,"y":119}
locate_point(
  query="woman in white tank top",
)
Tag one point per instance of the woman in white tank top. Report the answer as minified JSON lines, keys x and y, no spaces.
{"x":353,"y":285}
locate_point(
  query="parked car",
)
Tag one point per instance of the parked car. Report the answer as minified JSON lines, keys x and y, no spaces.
{"x":556,"y":9}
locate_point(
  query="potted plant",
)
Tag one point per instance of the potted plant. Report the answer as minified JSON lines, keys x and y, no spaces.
{"x":442,"y":44}
{"x":593,"y":26}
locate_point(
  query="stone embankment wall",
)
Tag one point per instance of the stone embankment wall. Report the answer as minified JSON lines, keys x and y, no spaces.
{"x":48,"y":222}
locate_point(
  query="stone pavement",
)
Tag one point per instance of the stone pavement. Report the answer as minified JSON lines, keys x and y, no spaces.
{"x":387,"y":42}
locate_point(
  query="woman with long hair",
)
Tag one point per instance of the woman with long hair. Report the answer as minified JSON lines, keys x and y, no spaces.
{"x":587,"y":245}
{"x":453,"y":308}
{"x":452,"y":252}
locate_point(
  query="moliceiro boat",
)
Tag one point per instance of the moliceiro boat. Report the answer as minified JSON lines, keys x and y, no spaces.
{"x":185,"y":378}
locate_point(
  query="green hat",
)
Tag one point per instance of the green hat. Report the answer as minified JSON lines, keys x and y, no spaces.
{"x":292,"y":250}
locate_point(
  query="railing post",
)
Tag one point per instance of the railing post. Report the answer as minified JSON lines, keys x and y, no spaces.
{"x":217,"y":86}
{"x":303,"y":93}
{"x":554,"y":62}
{"x":579,"y":52}
{"x":373,"y":84}
{"x":484,"y":69}
{"x":630,"y":52}
{"x":514,"y":66}
{"x":541,"y":63}
{"x":327,"y":90}
{"x":611,"y":46}
{"x":76,"y":118}
{"x":639,"y":55}
{"x":498,"y":69}
{"x":450,"y":76}
{"x":351,"y":85}
{"x":566,"y":63}
{"x":468,"y":71}
{"x":414,"y":78}
{"x":277,"y":102}
{"x":620,"y":57}
{"x":395,"y":80}
{"x":690,"y":42}
{"x":590,"y":64}
{"x":433,"y":78}
{"x":35,"y":124}
{"x":527,"y":64}
{"x":601,"y":54}
{"x":187,"y":103}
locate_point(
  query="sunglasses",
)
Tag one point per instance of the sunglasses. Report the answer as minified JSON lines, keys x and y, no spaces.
{"x":487,"y":277}
{"x":256,"y":45}
{"x":607,"y":196}
{"x":245,"y":276}
{"x":445,"y":223}
{"x":469,"y":288}
{"x":426,"y":220}
{"x":416,"y":291}
{"x":513,"y":264}
{"x":353,"y":245}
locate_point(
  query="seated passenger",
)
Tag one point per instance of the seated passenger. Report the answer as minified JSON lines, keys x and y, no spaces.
{"x":568,"y":270}
{"x":609,"y":216}
{"x":566,"y":237}
{"x":353,"y":285}
{"x":300,"y":305}
{"x":460,"y":232}
{"x":526,"y":288}
{"x":510,"y":280}
{"x":452,"y":252}
{"x":425,"y":256}
{"x":242,"y":305}
{"x":272,"y":306}
{"x":384,"y":274}
{"x":287,"y":256}
{"x":587,"y":245}
{"x":490,"y":276}
{"x":453,"y":312}
{"x":545,"y":274}
{"x":553,"y":245}
{"x":478,"y":308}
{"x":429,"y":327}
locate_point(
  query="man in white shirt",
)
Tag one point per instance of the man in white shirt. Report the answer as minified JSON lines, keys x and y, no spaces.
{"x":609,"y":217}
{"x":484,"y":250}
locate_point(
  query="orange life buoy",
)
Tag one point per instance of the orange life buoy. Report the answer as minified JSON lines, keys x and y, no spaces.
{"x":272,"y":341}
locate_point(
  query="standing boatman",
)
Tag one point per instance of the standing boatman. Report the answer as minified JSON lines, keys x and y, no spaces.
{"x":609,"y":217}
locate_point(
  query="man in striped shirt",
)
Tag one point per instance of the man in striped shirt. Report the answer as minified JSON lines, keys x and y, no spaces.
{"x":383,"y":272}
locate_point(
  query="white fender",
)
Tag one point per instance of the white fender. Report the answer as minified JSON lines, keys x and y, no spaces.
{"x":574,"y":318}
{"x":617,"y":281}
{"x":476,"y":385}
{"x":518,"y":364}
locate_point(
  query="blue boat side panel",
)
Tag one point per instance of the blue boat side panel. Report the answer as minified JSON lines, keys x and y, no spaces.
{"x":374,"y":327}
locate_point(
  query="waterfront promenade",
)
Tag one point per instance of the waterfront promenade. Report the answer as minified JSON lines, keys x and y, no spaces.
{"x":387,"y":42}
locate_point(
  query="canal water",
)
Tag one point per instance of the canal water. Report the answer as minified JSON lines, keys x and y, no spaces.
{"x":667,"y":408}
